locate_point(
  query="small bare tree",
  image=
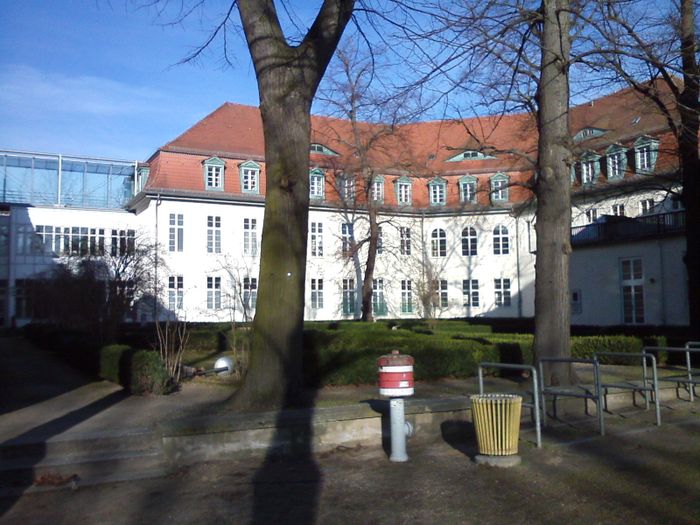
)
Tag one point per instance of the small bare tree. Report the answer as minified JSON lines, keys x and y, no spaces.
{"x":171,"y":342}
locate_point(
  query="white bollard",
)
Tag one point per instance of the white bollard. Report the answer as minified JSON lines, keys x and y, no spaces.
{"x":398,"y":430}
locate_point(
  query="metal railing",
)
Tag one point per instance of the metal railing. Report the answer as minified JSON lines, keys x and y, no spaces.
{"x":644,"y":387}
{"x":629,"y":228}
{"x":689,"y":376}
{"x":578,"y":391}
{"x":534,"y":406}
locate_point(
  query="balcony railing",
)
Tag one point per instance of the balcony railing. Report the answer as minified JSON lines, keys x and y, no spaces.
{"x":625,"y":228}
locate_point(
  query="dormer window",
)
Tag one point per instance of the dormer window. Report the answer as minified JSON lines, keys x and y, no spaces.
{"x":402,"y":187}
{"x":590,"y":168}
{"x":588,"y":133}
{"x":377,"y":190}
{"x":321,"y":149}
{"x":346,"y":188}
{"x":214,"y":174}
{"x":470,"y":154}
{"x":616,"y":162}
{"x":437,"y":188}
{"x":499,"y":188}
{"x":646,"y":151}
{"x":467,"y":189}
{"x":317,"y":183}
{"x":250,"y":177}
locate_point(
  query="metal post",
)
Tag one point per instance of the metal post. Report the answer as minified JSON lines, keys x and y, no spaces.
{"x":398,"y":430}
{"x":599,"y":409}
{"x":689,"y":368}
{"x":656,"y":390}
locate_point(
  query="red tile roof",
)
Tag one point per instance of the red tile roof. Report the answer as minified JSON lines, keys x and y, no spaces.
{"x":421,"y":150}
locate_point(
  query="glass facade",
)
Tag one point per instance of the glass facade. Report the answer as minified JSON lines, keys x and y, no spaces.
{"x":55,"y":180}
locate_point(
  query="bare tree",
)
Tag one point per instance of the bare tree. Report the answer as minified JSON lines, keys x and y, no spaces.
{"x":373,"y":134}
{"x":656,"y":53}
{"x":101,"y":287}
{"x":288,"y":77}
{"x":514,"y":56}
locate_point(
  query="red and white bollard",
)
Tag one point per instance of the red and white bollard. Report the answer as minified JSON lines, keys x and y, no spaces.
{"x":396,"y":382}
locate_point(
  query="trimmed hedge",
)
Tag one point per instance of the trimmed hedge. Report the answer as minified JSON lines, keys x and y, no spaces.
{"x":141,"y":371}
{"x":148,"y":374}
{"x":115,"y":363}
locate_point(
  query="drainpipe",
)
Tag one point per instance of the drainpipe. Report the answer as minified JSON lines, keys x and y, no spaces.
{"x":157,"y":256}
{"x":517,"y":265}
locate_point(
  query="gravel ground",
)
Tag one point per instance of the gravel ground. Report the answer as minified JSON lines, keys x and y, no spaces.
{"x":637,"y":474}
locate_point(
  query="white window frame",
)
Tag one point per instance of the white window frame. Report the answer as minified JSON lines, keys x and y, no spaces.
{"x":250,"y":293}
{"x":249,"y":173}
{"x":470,"y":293}
{"x":176,"y":232}
{"x":317,"y":184}
{"x":377,"y":190}
{"x":440,"y":297}
{"x":438,"y":243}
{"x":406,"y":296}
{"x":500,"y":191}
{"x":618,"y":210}
{"x":646,"y":206}
{"x":213,"y":234}
{"x":591,"y":215}
{"x":379,"y":306}
{"x":501,"y":241}
{"x":470,"y":241}
{"x":214,"y":171}
{"x":501,"y":288}
{"x":346,"y":239}
{"x":467,"y":190}
{"x":316,"y":239}
{"x":348,"y":297}
{"x":316,"y":293}
{"x":632,"y":290}
{"x":213,"y":292}
{"x":404,"y":193}
{"x":175,"y":292}
{"x":250,"y":237}
{"x":438,"y":192}
{"x":404,"y":240}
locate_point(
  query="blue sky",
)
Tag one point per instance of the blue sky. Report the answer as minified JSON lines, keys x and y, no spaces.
{"x":98,"y":78}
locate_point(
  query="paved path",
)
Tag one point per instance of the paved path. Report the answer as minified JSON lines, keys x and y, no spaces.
{"x":41,"y":397}
{"x":638,"y":474}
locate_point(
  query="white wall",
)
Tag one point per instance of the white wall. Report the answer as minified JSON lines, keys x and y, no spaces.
{"x":595,"y":271}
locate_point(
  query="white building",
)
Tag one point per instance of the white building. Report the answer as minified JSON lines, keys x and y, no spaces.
{"x":447,"y":201}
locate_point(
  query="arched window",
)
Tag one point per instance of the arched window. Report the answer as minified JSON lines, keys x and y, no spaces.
{"x":469,"y":241}
{"x":500,"y":240}
{"x":438,"y":243}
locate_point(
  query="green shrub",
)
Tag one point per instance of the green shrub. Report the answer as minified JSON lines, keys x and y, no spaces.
{"x":148,"y":374}
{"x":114,"y":363}
{"x":586,"y":347}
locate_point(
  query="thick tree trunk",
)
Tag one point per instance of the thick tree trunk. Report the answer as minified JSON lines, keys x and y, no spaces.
{"x":288,"y":77}
{"x":367,"y":282}
{"x":276,"y":360}
{"x":689,"y":161}
{"x":553,"y":192}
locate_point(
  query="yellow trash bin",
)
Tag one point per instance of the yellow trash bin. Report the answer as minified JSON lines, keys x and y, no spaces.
{"x":497,"y":421}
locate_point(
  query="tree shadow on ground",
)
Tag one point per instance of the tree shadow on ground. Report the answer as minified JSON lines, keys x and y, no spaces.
{"x":31,"y":445}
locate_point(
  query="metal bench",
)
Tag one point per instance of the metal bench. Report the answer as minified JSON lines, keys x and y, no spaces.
{"x":647,"y":387}
{"x":688,"y":376}
{"x":534,"y":406}
{"x":585,"y":392}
